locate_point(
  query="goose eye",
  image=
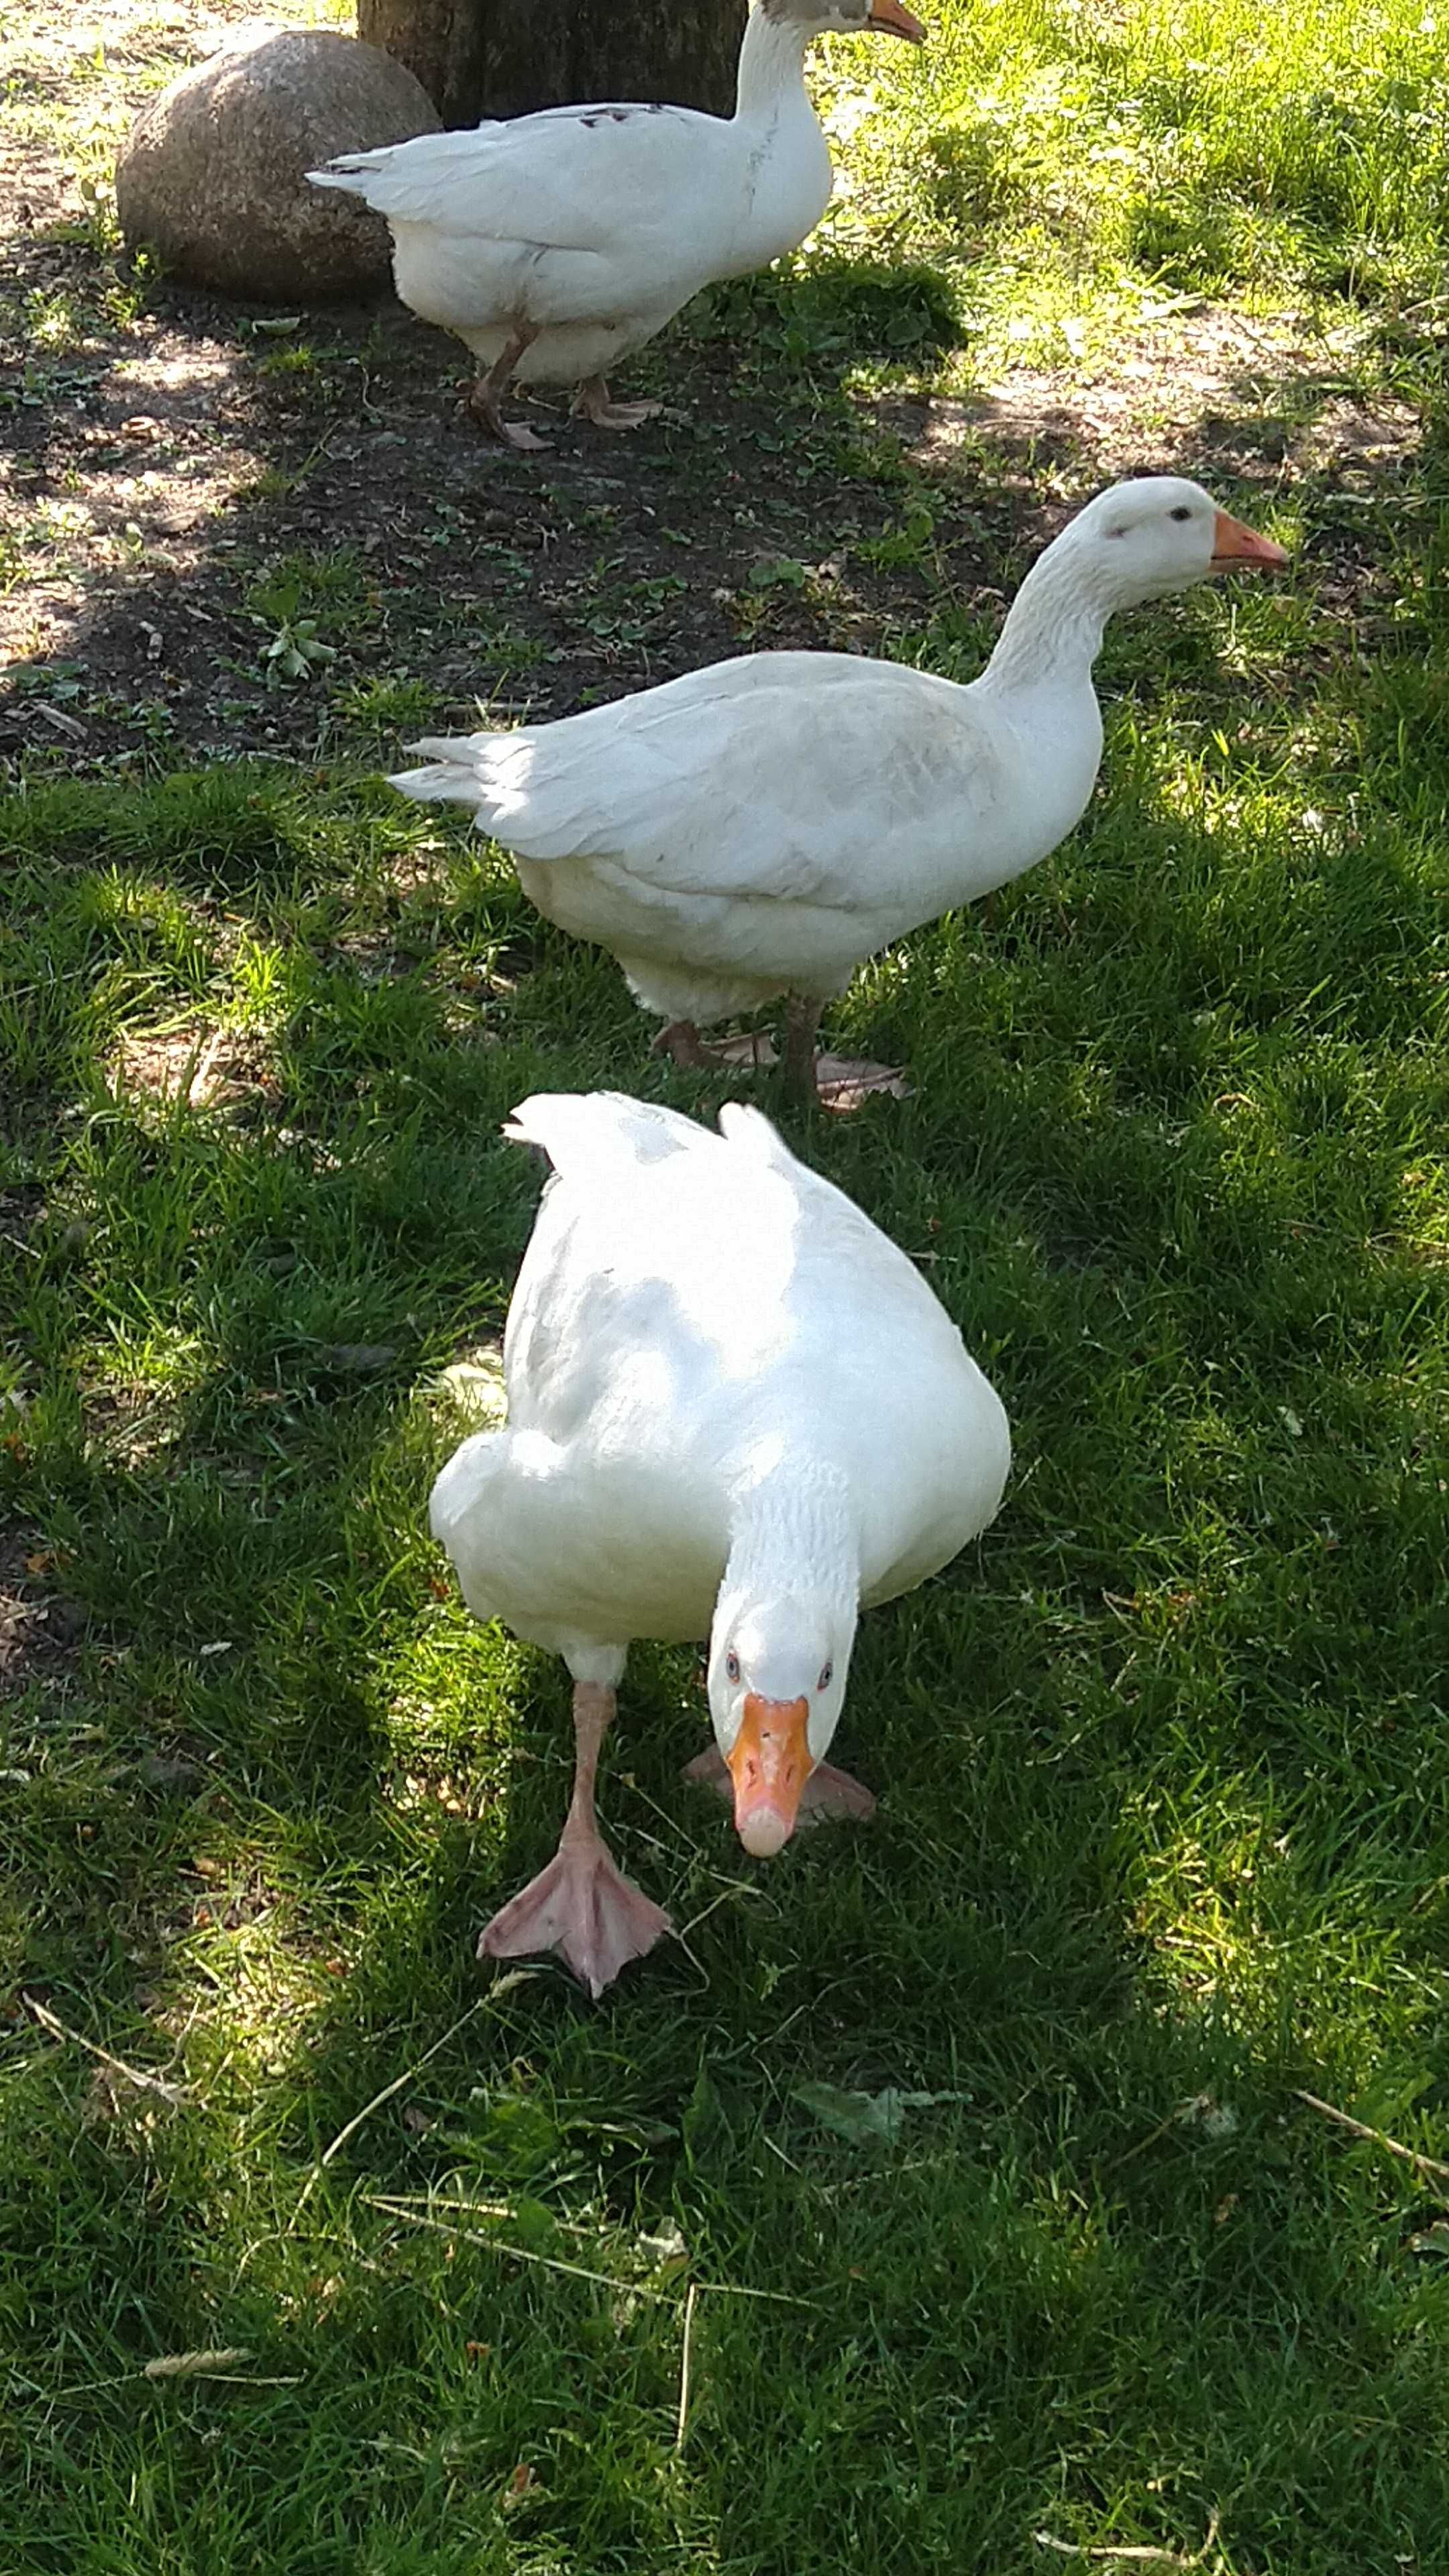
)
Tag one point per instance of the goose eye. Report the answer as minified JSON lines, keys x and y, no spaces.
{"x":827,"y":1675}
{"x":1181,"y":512}
{"x":732,"y":1668}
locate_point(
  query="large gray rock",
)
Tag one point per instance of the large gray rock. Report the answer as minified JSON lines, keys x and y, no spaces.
{"x":213,"y":174}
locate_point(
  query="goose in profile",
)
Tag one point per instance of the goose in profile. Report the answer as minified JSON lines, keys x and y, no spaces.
{"x":764,"y":825}
{"x":555,"y":245}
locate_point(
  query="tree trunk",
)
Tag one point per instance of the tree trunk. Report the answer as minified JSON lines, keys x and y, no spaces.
{"x":479,"y":58}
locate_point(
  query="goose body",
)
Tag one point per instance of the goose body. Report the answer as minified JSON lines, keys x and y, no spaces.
{"x":555,"y":245}
{"x":764,"y":825}
{"x":735,"y":1409}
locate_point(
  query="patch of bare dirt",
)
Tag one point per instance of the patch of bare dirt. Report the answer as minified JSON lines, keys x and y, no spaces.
{"x":1209,"y":388}
{"x":205,"y":1066}
{"x":40,"y":1628}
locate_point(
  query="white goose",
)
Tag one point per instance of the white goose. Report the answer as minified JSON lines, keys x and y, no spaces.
{"x":734,"y":1408}
{"x":764,"y":825}
{"x":555,"y":245}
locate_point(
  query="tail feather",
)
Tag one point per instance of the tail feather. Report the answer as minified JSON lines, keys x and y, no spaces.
{"x":346,"y":175}
{"x":590,"y":1133}
{"x":745,"y":1127}
{"x":443,"y":782}
{"x":460,"y":750}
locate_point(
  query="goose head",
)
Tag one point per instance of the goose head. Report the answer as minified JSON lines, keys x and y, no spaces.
{"x":845,"y":18}
{"x":777,"y":1673}
{"x":1156,"y":534}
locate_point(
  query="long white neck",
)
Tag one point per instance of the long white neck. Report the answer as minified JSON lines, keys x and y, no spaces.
{"x":772,"y":64}
{"x":793,"y":1529}
{"x":1053,"y":632}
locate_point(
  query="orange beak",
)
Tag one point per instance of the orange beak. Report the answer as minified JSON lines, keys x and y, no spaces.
{"x":770,"y":1763}
{"x":896,"y":21}
{"x":1233,"y":543}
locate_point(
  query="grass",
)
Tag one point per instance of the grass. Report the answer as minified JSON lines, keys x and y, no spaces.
{"x":1164,"y":1836}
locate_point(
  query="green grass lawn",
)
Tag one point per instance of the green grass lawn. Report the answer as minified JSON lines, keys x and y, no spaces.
{"x":472,"y":2278}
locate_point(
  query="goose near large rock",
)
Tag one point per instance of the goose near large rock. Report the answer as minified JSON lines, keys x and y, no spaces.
{"x":735,"y":1409}
{"x":555,"y":245}
{"x":763,"y":826}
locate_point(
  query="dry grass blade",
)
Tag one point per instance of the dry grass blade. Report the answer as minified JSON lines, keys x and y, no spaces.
{"x":175,"y":2094}
{"x":686,"y":2351}
{"x":1429,"y":2165}
{"x":399,"y":2208}
{"x":1135,"y":2553}
{"x":519,"y":2253}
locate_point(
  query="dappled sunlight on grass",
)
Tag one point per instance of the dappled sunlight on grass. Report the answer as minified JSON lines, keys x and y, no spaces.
{"x":468,"y":2277}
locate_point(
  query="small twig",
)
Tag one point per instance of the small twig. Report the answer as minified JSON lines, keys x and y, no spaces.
{"x":682,"y":2419}
{"x":1360,"y":2129}
{"x":173,"y":2093}
{"x":1141,"y":2556}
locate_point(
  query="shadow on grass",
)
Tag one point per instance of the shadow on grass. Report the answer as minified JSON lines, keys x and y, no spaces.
{"x":1163,"y":1829}
{"x":1156,"y":1816}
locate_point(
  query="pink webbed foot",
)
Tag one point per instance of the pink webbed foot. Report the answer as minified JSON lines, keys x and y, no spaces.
{"x":682,"y":1043}
{"x":594,"y":402}
{"x":827,"y":1793}
{"x":481,"y":406}
{"x":842,"y":1082}
{"x":582,"y":1906}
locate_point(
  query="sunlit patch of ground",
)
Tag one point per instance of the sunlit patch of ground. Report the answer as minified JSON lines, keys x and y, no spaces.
{"x":1210,"y":385}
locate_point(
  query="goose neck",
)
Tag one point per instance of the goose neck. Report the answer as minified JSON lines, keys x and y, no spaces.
{"x":1054,"y":628}
{"x":793,"y":1529}
{"x":772,"y":63}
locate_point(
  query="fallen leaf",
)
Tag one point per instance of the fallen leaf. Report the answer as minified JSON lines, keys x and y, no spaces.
{"x":168,"y":1771}
{"x":866,"y":2119}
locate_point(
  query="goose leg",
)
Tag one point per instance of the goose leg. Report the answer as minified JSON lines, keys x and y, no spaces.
{"x":580,"y":1905}
{"x":484,"y":397}
{"x":802,"y":1019}
{"x":596,"y":403}
{"x":838,"y":1082}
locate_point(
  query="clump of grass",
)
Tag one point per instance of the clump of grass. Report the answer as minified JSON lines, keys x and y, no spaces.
{"x":1054,"y":157}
